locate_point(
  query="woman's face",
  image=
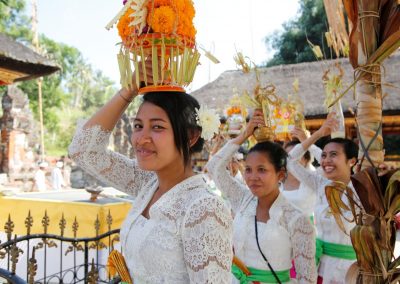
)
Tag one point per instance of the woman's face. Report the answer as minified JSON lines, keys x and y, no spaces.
{"x":334,"y":162}
{"x":153,"y":139}
{"x":260,"y":174}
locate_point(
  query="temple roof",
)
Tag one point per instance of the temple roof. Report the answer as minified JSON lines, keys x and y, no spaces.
{"x":19,"y":63}
{"x":218,"y":93}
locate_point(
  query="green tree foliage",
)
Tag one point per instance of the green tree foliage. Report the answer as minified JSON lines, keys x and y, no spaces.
{"x":75,"y":91}
{"x":13,"y":21}
{"x":291,"y":45}
{"x":53,"y":94}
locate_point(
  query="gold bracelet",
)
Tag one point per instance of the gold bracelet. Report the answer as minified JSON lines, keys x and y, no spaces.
{"x":125,"y":99}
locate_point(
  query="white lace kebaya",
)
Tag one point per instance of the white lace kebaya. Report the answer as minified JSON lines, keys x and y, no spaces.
{"x":287,"y":235}
{"x":332,"y":269}
{"x":304,"y":198}
{"x":188,"y":237}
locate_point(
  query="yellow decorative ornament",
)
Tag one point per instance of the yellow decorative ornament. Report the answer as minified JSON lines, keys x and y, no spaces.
{"x":116,"y":265}
{"x":280,"y":115}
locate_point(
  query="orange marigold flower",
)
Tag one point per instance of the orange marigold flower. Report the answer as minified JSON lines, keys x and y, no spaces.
{"x":185,"y":26}
{"x":233,"y":110}
{"x":180,"y":5}
{"x":159,"y":3}
{"x":189,"y":9}
{"x":156,"y":4}
{"x":124,"y":30}
{"x":151,"y":5}
{"x":162,"y":20}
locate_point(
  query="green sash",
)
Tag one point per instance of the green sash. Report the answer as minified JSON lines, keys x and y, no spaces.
{"x":334,"y":250}
{"x":264,"y":276}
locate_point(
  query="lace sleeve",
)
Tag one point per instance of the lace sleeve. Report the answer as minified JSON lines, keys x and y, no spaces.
{"x":302,"y":236}
{"x":312,"y":179}
{"x":207,"y":241}
{"x":89,"y":150}
{"x":316,"y":152}
{"x":231,"y":188}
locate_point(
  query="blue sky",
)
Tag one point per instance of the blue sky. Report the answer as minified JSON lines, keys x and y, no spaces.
{"x":223,"y":26}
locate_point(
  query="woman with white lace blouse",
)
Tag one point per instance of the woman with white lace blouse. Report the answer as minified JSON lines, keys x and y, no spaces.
{"x":268,"y":231}
{"x":299,"y":194}
{"x":177,"y":231}
{"x":334,"y":248}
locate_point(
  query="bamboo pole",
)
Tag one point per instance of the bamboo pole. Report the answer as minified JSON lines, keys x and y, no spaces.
{"x":35,"y":43}
{"x":369,"y":88}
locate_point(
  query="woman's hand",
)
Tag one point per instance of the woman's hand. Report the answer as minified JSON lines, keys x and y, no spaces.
{"x":257,"y":120}
{"x":130,"y":93}
{"x":300,"y":134}
{"x":330,"y":125}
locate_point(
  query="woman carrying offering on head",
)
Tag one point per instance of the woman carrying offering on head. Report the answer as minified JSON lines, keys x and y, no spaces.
{"x":268,"y":231}
{"x":176,"y":231}
{"x":334,"y":249}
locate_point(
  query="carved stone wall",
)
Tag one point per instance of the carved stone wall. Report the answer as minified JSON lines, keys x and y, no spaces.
{"x":16,"y":124}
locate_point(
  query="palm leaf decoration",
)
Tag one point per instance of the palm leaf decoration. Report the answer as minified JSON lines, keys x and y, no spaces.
{"x":374,"y":235}
{"x":374,"y":36}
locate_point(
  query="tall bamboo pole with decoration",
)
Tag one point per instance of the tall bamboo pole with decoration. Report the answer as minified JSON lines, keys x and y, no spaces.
{"x":374,"y":36}
{"x":35,"y":43}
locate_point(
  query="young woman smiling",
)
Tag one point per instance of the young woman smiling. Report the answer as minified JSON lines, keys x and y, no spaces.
{"x":176,"y":231}
{"x":334,"y":249}
{"x":268,"y":231}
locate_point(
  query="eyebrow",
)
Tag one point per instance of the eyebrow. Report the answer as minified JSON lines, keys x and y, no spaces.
{"x":151,"y":119}
{"x":324,"y":152}
{"x":257,"y":166}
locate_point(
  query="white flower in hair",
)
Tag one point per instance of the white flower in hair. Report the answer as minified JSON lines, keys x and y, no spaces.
{"x":209,"y":122}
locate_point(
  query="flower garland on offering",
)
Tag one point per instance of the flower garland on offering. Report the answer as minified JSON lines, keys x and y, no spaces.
{"x":161,"y":31}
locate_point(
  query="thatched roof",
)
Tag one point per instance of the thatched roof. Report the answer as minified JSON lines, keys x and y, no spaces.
{"x":19,"y":63}
{"x":311,"y":90}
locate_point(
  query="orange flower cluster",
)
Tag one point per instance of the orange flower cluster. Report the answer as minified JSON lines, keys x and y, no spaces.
{"x":233,"y":110}
{"x":162,"y":20}
{"x":171,"y":16}
{"x":163,"y":16}
{"x":124,"y":30}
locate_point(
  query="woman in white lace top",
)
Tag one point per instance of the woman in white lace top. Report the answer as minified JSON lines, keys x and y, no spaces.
{"x":262,"y":214}
{"x":299,"y":194}
{"x":338,"y":157}
{"x":177,"y":231}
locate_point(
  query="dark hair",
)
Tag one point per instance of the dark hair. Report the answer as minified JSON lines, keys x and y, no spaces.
{"x":349,"y":146}
{"x":181,"y":110}
{"x":294,"y":142}
{"x":275,"y":153}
